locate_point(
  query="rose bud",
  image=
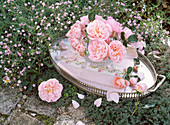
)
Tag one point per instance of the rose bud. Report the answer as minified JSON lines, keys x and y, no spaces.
{"x":135,"y":68}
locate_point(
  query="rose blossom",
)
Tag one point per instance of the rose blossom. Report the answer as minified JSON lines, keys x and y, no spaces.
{"x":80,"y":48}
{"x":84,"y":20}
{"x":116,"y":26}
{"x":74,"y":42}
{"x":100,"y":18}
{"x":50,"y":90}
{"x":127,"y":32}
{"x":116,"y":51}
{"x":75,"y":31}
{"x":119,"y":82}
{"x":98,"y":50}
{"x":141,"y":87}
{"x":97,"y":30}
{"x":133,"y":81}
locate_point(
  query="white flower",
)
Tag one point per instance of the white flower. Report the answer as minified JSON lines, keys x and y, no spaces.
{"x":98,"y":102}
{"x":80,"y":96}
{"x":75,"y":104}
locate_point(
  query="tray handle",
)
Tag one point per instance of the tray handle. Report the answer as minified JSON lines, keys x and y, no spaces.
{"x":159,"y":84}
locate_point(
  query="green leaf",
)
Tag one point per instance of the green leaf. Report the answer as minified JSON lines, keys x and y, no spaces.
{"x":122,"y":35}
{"x":24,"y":83}
{"x":125,"y":43}
{"x":30,"y":87}
{"x":133,"y":38}
{"x":127,"y":77}
{"x":129,"y":70}
{"x":91,"y":16}
{"x":137,"y":61}
{"x":33,"y":76}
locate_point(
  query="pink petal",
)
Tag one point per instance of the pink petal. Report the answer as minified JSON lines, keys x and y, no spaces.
{"x":75,"y":104}
{"x":98,"y":102}
{"x":80,"y":96}
{"x":112,"y":96}
{"x":80,"y":123}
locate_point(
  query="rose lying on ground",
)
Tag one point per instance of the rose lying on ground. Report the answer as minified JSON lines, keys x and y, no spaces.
{"x":50,"y":90}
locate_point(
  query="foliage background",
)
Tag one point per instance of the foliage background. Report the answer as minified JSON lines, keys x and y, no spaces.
{"x":27,"y":29}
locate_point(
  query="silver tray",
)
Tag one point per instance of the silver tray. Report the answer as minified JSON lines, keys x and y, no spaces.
{"x":153,"y":85}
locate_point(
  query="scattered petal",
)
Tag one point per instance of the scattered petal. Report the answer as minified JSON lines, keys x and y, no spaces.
{"x":33,"y":114}
{"x":154,"y":53}
{"x":148,"y":106}
{"x":81,"y":96}
{"x":157,"y":57}
{"x":98,"y":102}
{"x":112,"y":96}
{"x":80,"y":123}
{"x":75,"y":104}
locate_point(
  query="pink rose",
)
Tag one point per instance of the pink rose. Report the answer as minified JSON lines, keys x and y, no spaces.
{"x":116,"y":26}
{"x":119,"y":82}
{"x":75,"y":31}
{"x":98,"y":50}
{"x":50,"y":90}
{"x":100,"y":18}
{"x":141,"y":87}
{"x":127,"y":32}
{"x":133,"y":81}
{"x":140,"y":45}
{"x":74,"y":42}
{"x":116,"y":51}
{"x":84,"y":20}
{"x":80,"y":48}
{"x":97,"y":30}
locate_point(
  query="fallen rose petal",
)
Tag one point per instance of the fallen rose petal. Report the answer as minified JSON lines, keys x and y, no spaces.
{"x":80,"y":96}
{"x":154,"y":53}
{"x":75,"y":104}
{"x":98,"y":102}
{"x":80,"y":123}
{"x":157,"y":57}
{"x":112,"y":96}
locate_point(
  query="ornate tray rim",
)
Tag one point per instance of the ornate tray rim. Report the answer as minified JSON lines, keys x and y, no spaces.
{"x":101,"y":92}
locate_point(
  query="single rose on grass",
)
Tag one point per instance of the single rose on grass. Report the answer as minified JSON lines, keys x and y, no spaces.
{"x":116,"y":51}
{"x":120,"y":83}
{"x":50,"y":90}
{"x":141,"y":87}
{"x":98,"y":50}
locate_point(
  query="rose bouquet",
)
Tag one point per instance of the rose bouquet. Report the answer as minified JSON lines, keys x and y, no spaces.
{"x":100,"y":38}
